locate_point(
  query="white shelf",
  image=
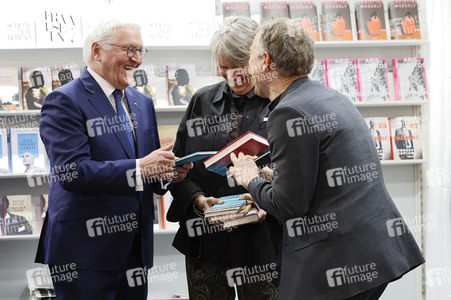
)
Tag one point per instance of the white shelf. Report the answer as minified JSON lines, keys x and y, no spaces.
{"x":391,"y":103}
{"x":402,"y":162}
{"x":19,"y":237}
{"x":21,"y":175}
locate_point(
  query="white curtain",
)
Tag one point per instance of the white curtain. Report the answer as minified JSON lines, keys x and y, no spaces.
{"x":438,"y":208}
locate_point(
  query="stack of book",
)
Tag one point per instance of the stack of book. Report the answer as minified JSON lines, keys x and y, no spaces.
{"x":233,"y":212}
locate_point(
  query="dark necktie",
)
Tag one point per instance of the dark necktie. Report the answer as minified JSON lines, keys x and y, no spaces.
{"x":123,"y":118}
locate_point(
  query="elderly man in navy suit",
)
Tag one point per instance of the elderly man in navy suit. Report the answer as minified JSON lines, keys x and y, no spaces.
{"x":100,"y":224}
{"x":344,"y":238}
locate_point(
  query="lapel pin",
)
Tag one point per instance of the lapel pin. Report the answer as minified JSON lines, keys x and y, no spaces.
{"x":136,"y":104}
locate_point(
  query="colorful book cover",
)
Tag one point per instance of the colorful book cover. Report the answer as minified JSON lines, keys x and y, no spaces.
{"x":9,"y":89}
{"x":307,"y":15}
{"x":4,"y":157}
{"x":28,"y":153}
{"x":17,"y":215}
{"x":273,"y":10}
{"x":144,"y":80}
{"x":404,"y":20}
{"x":380,"y":131}
{"x":236,"y":9}
{"x":342,"y":76}
{"x":372,"y":77}
{"x":36,"y":85}
{"x":370,"y":20}
{"x":406,"y":138}
{"x":319,"y":71}
{"x":181,"y":83}
{"x":336,"y":21}
{"x":64,"y":74}
{"x":409,"y":76}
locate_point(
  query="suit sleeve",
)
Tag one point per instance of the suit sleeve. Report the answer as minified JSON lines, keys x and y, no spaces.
{"x":63,"y":131}
{"x":295,"y":162}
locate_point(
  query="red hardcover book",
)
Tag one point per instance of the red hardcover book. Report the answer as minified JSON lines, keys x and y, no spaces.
{"x":249,"y":143}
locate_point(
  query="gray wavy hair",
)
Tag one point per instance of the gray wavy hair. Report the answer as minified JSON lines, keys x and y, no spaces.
{"x":291,"y":47}
{"x":105,"y":34}
{"x":233,"y":39}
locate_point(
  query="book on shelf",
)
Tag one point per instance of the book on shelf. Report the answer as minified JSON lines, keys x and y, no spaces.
{"x":342,"y":76}
{"x":249,"y":143}
{"x":17,"y":214}
{"x":404,"y":20}
{"x":4,"y":155}
{"x":406,"y":139}
{"x":336,"y":21}
{"x":319,"y":71}
{"x":409,"y":76}
{"x":306,"y":14}
{"x":193,"y":157}
{"x":62,"y":74}
{"x":273,"y":10}
{"x":372,"y":77}
{"x":43,"y":206}
{"x":167,"y":134}
{"x":380,"y":131}
{"x":370,"y":20}
{"x":144,"y":80}
{"x":36,"y":85}
{"x":157,"y":212}
{"x":232,"y":204}
{"x":181,"y":83}
{"x":236,"y":9}
{"x":9,"y":89}
{"x":27,"y":151}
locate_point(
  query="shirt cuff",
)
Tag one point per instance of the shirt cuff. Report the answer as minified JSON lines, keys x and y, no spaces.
{"x":139,"y":181}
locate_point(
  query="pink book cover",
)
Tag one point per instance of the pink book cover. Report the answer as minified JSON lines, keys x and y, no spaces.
{"x":380,"y":132}
{"x":409,"y":77}
{"x":372,"y":78}
{"x":342,"y":76}
{"x":319,"y":71}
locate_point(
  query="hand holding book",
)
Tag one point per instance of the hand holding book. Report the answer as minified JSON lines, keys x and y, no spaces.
{"x":244,"y":168}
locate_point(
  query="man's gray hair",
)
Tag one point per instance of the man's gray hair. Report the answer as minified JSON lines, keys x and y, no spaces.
{"x":291,"y":48}
{"x":104,"y":35}
{"x":233,"y":39}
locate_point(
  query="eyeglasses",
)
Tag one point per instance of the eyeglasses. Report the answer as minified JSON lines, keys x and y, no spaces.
{"x":131,"y":50}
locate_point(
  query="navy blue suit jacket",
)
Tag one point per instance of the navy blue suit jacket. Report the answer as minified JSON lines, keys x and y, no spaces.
{"x":94,"y":216}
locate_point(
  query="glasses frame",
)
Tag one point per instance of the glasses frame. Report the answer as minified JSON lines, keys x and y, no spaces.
{"x":132,"y":50}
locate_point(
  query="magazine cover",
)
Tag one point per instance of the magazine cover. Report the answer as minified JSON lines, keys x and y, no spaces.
{"x":36,"y":85}
{"x":370,"y":20}
{"x":181,"y":83}
{"x":336,"y":21}
{"x":236,"y":9}
{"x":273,"y":10}
{"x":9,"y":89}
{"x":380,"y":131}
{"x":409,"y":76}
{"x":17,"y":215}
{"x":319,"y":71}
{"x":4,"y":157}
{"x":64,"y":74}
{"x":404,"y":20}
{"x":144,"y":80}
{"x":307,"y":15}
{"x":372,"y":77}
{"x":28,"y":153}
{"x":342,"y":76}
{"x":406,"y":138}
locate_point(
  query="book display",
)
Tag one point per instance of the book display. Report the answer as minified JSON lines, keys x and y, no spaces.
{"x":356,"y":55}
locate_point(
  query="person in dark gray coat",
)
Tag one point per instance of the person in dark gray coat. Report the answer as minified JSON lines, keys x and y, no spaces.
{"x":344,"y":238}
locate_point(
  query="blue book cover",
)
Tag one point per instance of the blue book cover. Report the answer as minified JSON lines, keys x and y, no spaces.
{"x":27,"y":151}
{"x":231,"y":203}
